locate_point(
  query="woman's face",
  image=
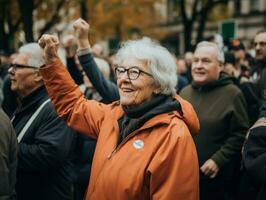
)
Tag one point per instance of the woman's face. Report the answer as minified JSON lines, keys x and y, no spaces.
{"x":135,"y":92}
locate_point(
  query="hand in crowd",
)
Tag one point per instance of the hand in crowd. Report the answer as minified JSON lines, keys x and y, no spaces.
{"x":81,"y":28}
{"x":210,"y":168}
{"x":50,"y":44}
{"x":70,"y":44}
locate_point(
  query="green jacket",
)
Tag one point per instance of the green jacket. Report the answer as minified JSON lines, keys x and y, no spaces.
{"x":8,"y":158}
{"x":221,"y":109}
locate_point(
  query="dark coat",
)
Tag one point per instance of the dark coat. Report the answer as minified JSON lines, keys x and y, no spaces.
{"x":221,"y":109}
{"x":8,"y":158}
{"x":255,"y":159}
{"x":44,"y":156}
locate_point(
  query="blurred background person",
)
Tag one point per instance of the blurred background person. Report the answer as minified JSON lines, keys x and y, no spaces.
{"x":182,"y":80}
{"x":45,"y":142}
{"x":221,"y":108}
{"x":8,"y":158}
{"x":254,"y":88}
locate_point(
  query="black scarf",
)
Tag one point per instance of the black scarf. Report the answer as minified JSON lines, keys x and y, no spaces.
{"x":136,"y":117}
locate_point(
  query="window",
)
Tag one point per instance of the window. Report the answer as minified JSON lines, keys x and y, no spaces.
{"x":254,"y":5}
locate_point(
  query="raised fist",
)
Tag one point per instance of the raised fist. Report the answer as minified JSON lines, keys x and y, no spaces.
{"x":50,"y":44}
{"x":70,"y":44}
{"x":81,"y":28}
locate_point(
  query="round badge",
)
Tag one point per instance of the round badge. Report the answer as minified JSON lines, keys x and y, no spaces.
{"x":138,"y":144}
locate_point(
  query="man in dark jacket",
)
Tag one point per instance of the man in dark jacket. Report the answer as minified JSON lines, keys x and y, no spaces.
{"x":8,"y":158}
{"x":254,"y":158}
{"x":254,"y":154}
{"x":253,"y":90}
{"x":221,"y":109}
{"x":45,"y":142}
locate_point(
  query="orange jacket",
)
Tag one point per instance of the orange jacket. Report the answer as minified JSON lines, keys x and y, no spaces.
{"x":157,"y":161}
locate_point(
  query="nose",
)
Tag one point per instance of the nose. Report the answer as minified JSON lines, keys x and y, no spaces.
{"x":11,"y":70}
{"x":123,"y":79}
{"x":197,"y":64}
{"x":124,"y":76}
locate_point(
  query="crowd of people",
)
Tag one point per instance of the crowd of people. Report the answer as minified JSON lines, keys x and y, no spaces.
{"x":140,"y":124}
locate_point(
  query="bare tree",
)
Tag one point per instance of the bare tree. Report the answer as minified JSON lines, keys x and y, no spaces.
{"x":54,"y":19}
{"x":8,"y":26}
{"x":199,"y":13}
{"x":84,"y":10}
{"x":26,"y":8}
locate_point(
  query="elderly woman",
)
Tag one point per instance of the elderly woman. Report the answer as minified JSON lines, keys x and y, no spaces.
{"x":144,"y":145}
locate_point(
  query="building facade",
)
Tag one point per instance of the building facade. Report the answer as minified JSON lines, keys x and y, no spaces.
{"x":248,"y":16}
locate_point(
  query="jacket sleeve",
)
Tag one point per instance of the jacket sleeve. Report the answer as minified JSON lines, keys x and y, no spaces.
{"x":84,"y":116}
{"x":174,"y":170}
{"x":53,"y":143}
{"x":8,"y":158}
{"x":238,"y":126}
{"x":255,"y":154}
{"x":74,"y":71}
{"x":107,"y":89}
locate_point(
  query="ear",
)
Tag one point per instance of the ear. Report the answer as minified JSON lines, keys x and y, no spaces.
{"x":157,"y":88}
{"x":221,"y":67}
{"x":157,"y":91}
{"x":38,"y":77}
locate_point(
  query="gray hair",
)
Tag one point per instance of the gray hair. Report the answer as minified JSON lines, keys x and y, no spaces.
{"x":160,"y":62}
{"x":34,"y":53}
{"x":219,"y":52}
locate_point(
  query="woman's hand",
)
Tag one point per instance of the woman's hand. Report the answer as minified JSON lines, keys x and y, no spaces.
{"x":81,"y":28}
{"x":50,"y":44}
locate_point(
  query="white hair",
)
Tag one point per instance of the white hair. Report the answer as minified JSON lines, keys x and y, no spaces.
{"x":34,"y":53}
{"x":160,"y":62}
{"x":219,"y":52}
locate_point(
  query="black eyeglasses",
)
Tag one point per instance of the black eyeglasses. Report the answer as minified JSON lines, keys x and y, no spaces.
{"x":132,"y":72}
{"x":17,"y":66}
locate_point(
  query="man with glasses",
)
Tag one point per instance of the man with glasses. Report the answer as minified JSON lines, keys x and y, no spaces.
{"x":254,"y":150}
{"x":45,"y":142}
{"x":254,"y":90}
{"x":221,"y":109}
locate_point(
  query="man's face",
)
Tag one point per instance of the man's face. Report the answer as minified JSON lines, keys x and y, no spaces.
{"x":205,"y":66}
{"x":22,"y":76}
{"x":260,"y":47}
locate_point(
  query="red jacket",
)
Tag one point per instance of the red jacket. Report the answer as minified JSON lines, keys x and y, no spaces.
{"x":157,"y":161}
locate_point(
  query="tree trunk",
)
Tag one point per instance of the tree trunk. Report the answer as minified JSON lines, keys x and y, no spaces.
{"x":188,"y":23}
{"x":26,"y":8}
{"x":202,"y":24}
{"x":3,"y":43}
{"x":187,"y":36}
{"x":6,"y":38}
{"x":83,"y":10}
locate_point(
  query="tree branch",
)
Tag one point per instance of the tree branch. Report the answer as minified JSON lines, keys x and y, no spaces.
{"x":194,"y":10}
{"x":183,"y":11}
{"x":54,"y":19}
{"x":36,"y":4}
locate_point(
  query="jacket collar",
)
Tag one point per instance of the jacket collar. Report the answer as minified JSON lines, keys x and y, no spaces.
{"x":33,"y":99}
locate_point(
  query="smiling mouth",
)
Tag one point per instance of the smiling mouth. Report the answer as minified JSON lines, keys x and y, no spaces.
{"x":199,"y":73}
{"x":127,"y":90}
